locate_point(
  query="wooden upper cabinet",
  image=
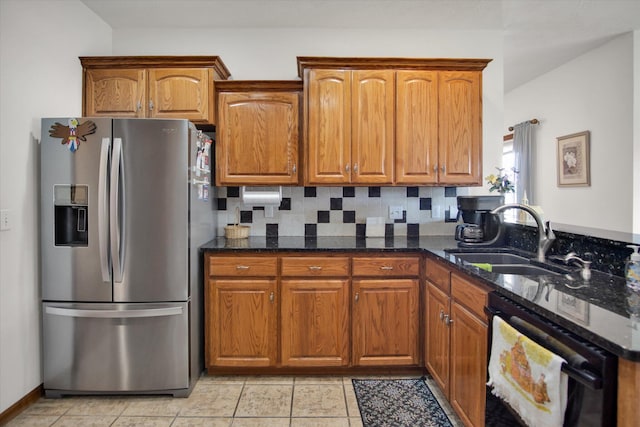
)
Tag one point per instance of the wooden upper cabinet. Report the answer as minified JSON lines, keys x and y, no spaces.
{"x":181,"y":92}
{"x":416,"y":159}
{"x":372,"y":126}
{"x":405,"y":121}
{"x":152,"y":86}
{"x":115,"y":93}
{"x":327,"y":125}
{"x":460,"y":125}
{"x":258,"y":133}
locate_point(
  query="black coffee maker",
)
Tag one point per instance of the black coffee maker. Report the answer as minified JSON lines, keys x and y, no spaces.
{"x":480,"y":228}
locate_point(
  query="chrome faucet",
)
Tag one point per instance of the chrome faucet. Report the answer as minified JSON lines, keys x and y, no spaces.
{"x":545,"y":233}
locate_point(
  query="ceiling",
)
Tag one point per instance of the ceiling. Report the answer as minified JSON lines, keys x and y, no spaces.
{"x":551,"y":31}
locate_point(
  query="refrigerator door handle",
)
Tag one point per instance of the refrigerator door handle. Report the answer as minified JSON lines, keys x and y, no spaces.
{"x":117,"y":212}
{"x":114,"y":314}
{"x":103,"y":211}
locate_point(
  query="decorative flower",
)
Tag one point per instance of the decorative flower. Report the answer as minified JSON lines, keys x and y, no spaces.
{"x":501,"y":182}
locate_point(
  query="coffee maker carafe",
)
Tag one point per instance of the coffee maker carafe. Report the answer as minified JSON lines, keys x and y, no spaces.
{"x":480,"y":228}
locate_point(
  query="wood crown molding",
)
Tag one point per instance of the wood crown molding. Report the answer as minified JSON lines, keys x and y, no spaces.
{"x":459,"y":64}
{"x":259,"y":85}
{"x":112,"y":62}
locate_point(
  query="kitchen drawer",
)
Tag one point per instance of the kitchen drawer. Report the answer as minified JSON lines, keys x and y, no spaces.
{"x":470,"y":295}
{"x":315,"y":266}
{"x":438,"y":274}
{"x":243,"y":266}
{"x":386,"y":266}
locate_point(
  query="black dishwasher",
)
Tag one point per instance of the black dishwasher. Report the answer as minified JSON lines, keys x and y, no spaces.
{"x":592,"y":371}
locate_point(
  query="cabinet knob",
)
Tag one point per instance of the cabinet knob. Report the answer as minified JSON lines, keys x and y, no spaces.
{"x":355,"y":168}
{"x":441,"y":314}
{"x":357,"y":298}
{"x":294,"y":169}
{"x":150,"y":104}
{"x":347,"y":168}
{"x":447,"y":320}
{"x":272,"y":297}
{"x":139,"y":106}
{"x":435,"y":168}
{"x":444,"y":168}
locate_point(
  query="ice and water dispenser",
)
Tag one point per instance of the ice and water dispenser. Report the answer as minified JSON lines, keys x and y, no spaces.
{"x":71,"y":204}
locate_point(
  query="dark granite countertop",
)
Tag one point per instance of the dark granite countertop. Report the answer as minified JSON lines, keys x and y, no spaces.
{"x":595,"y":310}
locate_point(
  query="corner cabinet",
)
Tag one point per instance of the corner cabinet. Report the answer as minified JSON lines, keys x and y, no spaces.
{"x":258,"y":132}
{"x":151,"y":86}
{"x":392,"y":121}
{"x":456,"y":339}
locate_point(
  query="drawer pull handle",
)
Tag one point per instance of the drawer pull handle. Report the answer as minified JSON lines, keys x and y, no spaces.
{"x":242,"y":267}
{"x":315,"y":267}
{"x":386,"y":268}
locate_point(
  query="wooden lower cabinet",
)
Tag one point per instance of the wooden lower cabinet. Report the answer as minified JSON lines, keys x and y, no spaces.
{"x":315,"y":322}
{"x":437,"y":337}
{"x":456,"y":340}
{"x":468,"y":365}
{"x":385,"y":322}
{"x":306,"y":311}
{"x":241,"y":322}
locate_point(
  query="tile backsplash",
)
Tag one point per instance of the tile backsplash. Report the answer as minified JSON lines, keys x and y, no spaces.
{"x":342,"y":211}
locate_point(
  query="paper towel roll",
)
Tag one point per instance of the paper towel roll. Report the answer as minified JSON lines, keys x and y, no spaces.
{"x":260,"y":196}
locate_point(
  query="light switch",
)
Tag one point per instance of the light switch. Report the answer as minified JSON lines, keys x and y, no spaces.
{"x":4,"y":220}
{"x":395,"y":212}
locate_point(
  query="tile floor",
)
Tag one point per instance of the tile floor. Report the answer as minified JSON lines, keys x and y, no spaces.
{"x":216,"y":401}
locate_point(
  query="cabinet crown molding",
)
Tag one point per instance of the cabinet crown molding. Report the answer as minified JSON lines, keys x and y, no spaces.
{"x":259,"y":85}
{"x":460,"y":64}
{"x":162,"y":61}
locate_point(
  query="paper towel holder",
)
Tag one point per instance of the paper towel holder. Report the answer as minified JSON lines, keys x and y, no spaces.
{"x":269,"y":197}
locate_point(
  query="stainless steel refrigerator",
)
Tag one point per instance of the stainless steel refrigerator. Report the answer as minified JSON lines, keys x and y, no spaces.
{"x":125,"y":205}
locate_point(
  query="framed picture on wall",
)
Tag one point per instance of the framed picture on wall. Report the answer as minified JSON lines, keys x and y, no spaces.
{"x":573,"y":160}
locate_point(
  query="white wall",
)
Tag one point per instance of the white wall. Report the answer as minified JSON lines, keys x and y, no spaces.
{"x":271,"y":54}
{"x":636,"y":132}
{"x":40,"y":76}
{"x":592,"y":92}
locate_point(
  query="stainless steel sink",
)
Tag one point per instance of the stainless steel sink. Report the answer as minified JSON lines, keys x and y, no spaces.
{"x":491,"y":258}
{"x":521,"y":269}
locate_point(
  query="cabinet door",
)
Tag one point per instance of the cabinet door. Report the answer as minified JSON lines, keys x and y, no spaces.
{"x":460,"y":127}
{"x":328,"y":126}
{"x":257,"y":138}
{"x":468,"y":365}
{"x":385,"y":322}
{"x":437,"y":337}
{"x":372,"y":115}
{"x":315,"y":322}
{"x":241,"y":322}
{"x":114,"y":93}
{"x":416,"y":158}
{"x":184,"y":93}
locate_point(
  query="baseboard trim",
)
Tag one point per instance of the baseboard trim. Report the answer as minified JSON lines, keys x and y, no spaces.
{"x":14,"y":410}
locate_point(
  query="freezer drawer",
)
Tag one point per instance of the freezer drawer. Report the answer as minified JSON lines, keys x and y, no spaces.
{"x":112,"y":348}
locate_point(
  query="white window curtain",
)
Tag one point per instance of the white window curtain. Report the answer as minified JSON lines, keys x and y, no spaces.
{"x":523,"y":160}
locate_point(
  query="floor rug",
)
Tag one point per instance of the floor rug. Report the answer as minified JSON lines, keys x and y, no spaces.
{"x":398,"y":403}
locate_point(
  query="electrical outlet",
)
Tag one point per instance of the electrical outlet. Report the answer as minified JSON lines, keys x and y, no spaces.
{"x":395,"y":212}
{"x":4,"y":220}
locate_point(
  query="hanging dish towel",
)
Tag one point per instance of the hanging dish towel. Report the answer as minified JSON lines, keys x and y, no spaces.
{"x":527,"y":376}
